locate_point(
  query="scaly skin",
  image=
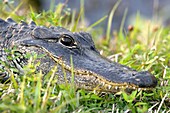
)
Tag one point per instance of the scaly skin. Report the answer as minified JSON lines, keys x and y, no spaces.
{"x":58,"y":45}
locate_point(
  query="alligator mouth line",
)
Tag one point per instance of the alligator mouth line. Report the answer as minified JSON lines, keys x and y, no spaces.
{"x":103,"y":84}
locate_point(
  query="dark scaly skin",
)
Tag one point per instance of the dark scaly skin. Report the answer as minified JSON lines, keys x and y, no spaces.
{"x":91,"y":70}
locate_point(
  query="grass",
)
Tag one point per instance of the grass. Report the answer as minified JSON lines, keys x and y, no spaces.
{"x":145,"y":46}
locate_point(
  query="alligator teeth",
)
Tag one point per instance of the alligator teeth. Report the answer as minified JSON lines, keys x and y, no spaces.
{"x":103,"y":83}
{"x":139,"y":89}
{"x":122,"y":87}
{"x":134,"y":87}
{"x":109,"y":86}
{"x":116,"y":87}
{"x":18,"y":60}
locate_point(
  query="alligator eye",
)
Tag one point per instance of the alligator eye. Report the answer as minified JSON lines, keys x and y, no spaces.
{"x":67,"y":41}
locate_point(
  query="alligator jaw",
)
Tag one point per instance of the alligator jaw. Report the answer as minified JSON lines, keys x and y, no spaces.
{"x":90,"y":80}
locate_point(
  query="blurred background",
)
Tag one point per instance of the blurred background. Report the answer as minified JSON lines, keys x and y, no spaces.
{"x":156,"y":10}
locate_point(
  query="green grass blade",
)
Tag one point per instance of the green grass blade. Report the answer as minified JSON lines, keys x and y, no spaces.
{"x":96,"y":23}
{"x":77,"y":21}
{"x":47,"y":90}
{"x":37,"y":98}
{"x":80,"y":16}
{"x":110,"y":22}
{"x":52,"y":4}
{"x":122,"y":24}
{"x":82,"y":8}
{"x":72,"y":71}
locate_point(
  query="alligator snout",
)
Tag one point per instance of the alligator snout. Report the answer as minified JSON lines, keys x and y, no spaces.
{"x":115,"y":73}
{"x":144,"y":79}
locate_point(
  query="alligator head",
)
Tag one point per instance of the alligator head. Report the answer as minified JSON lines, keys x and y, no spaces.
{"x":91,"y":70}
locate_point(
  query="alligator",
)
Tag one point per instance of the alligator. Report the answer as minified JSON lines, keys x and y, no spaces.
{"x":58,"y":45}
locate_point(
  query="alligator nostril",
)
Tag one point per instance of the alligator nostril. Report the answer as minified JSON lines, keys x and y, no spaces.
{"x":133,"y":74}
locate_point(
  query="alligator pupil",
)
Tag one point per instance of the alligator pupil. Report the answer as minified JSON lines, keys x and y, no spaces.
{"x":67,"y":41}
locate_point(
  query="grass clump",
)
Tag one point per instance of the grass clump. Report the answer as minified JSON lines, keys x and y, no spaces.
{"x":144,"y":47}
